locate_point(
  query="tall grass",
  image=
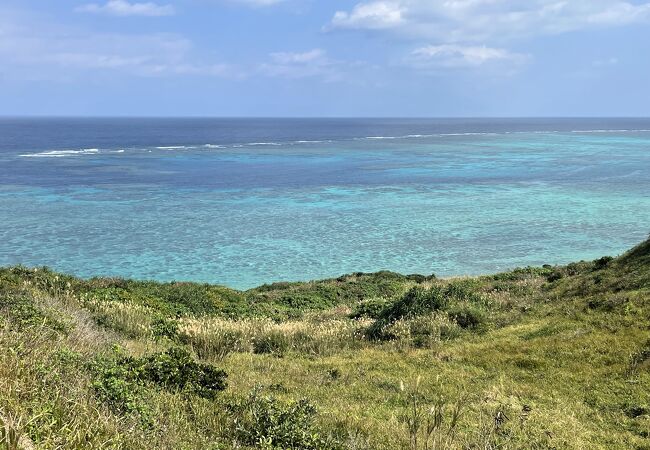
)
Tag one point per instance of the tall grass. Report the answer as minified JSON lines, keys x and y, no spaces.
{"x":215,"y":338}
{"x":45,"y":395}
{"x":430,"y":424}
{"x":130,"y":319}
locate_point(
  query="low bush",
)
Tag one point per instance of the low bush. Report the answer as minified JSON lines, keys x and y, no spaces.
{"x":422,"y":331}
{"x":176,"y":369}
{"x":371,"y":308}
{"x":523,"y":273}
{"x":459,"y":298}
{"x":577,"y":268}
{"x":467,"y":315}
{"x":607,"y":303}
{"x":165,"y":327}
{"x":464,"y":290}
{"x":603,"y":262}
{"x":116,"y":386}
{"x":119,"y":380}
{"x":22,"y":311}
{"x":415,"y":302}
{"x":266,"y":422}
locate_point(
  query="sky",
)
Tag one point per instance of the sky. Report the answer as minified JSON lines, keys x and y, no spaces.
{"x":297,"y":58}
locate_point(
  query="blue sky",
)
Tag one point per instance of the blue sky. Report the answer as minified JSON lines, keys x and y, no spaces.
{"x":325,"y":58}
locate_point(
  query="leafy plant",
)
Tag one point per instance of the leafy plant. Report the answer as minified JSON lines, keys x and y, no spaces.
{"x":22,"y":311}
{"x":467,"y":315}
{"x":371,"y":308}
{"x":165,"y":327}
{"x":116,"y":386}
{"x":176,"y":369}
{"x":415,"y":302}
{"x":268,"y":423}
{"x":119,"y":381}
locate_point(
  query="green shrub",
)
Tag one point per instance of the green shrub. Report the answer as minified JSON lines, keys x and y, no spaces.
{"x":603,"y":262}
{"x":371,"y":308}
{"x":176,"y":369}
{"x":268,"y":423}
{"x":415,"y":302}
{"x":523,"y":273}
{"x":283,"y":300}
{"x":170,"y":299}
{"x":117,"y":386}
{"x":165,"y":327}
{"x":191,"y":297}
{"x":460,"y":298}
{"x":422,"y":331}
{"x":119,"y":380}
{"x":120,"y":395}
{"x":577,"y":268}
{"x":22,"y":311}
{"x":467,"y":315}
{"x":607,"y":303}
{"x":463,"y":290}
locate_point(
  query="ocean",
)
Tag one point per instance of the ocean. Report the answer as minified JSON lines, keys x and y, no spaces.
{"x":242,"y":202}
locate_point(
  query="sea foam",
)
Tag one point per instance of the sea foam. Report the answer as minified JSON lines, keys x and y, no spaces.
{"x":61,"y":153}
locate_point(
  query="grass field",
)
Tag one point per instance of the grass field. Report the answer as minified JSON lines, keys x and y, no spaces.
{"x":536,"y":358}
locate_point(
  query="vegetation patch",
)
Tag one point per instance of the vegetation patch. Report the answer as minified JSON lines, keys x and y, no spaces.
{"x":268,"y":423}
{"x":548,"y":357}
{"x":118,"y":380}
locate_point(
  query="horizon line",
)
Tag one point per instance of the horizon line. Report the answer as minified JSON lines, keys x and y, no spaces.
{"x":144,"y":116}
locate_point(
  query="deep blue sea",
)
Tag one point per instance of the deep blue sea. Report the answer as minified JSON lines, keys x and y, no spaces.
{"x":243,"y":202}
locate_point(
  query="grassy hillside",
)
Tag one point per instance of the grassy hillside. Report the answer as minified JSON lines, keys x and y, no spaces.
{"x":544,"y":358}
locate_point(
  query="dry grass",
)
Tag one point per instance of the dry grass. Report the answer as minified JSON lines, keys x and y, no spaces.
{"x":130,"y":319}
{"x":215,"y":338}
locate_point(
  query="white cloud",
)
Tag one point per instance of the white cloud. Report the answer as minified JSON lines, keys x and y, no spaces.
{"x":255,"y":3}
{"x":605,"y":62}
{"x":316,"y":64}
{"x":451,"y":56}
{"x":312,"y":63}
{"x":374,"y":15}
{"x":454,"y":21}
{"x":124,"y":8}
{"x":310,"y":56}
{"x":38,"y":50}
{"x":461,"y":28}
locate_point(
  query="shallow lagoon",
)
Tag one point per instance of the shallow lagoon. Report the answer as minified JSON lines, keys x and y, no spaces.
{"x":244,"y":202}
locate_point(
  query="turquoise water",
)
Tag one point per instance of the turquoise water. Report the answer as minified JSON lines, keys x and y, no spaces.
{"x":226,"y":211}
